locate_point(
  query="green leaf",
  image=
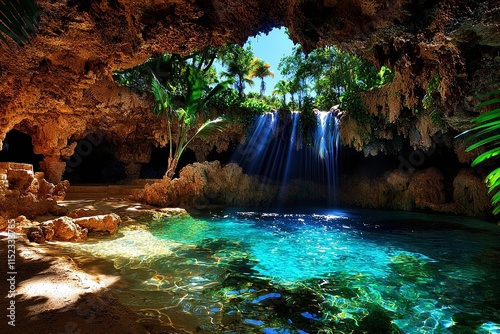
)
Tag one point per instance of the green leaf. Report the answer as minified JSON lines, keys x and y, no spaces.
{"x":496,"y":198}
{"x":210,"y":126}
{"x":493,"y":92}
{"x":487,"y":116}
{"x":483,"y":142}
{"x":487,"y":103}
{"x":493,"y":179}
{"x":161,"y":96}
{"x":486,"y":155}
{"x":486,"y":128}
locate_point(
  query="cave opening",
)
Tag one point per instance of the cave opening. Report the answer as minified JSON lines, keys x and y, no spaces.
{"x":18,"y":147}
{"x":223,"y":157}
{"x":157,"y":165}
{"x":94,"y":162}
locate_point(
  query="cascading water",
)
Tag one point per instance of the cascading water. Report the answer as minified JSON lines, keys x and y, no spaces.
{"x":277,"y":151}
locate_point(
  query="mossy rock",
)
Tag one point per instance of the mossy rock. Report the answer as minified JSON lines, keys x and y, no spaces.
{"x":378,"y":322}
{"x":465,"y":323}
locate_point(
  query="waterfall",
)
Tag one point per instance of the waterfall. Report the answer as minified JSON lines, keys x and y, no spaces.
{"x":277,"y":152}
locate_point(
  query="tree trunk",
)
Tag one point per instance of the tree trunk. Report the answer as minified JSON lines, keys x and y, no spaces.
{"x":172,"y":165}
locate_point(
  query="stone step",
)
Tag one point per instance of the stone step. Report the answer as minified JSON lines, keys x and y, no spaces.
{"x":102,"y":191}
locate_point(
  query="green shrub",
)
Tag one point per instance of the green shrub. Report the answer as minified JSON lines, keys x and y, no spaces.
{"x":254,"y":106}
{"x":227,"y":102}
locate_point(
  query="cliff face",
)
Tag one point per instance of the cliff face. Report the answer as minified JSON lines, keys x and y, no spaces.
{"x":58,"y":89}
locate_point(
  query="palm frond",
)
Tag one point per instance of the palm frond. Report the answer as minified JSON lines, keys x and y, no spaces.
{"x":208,"y":128}
{"x":211,"y":126}
{"x":161,"y":96}
{"x":486,"y":155}
{"x":488,"y":116}
{"x":487,"y":140}
{"x":196,"y":86}
{"x":18,"y":20}
{"x":486,"y":132}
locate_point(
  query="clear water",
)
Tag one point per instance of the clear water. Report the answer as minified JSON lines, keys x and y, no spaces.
{"x":321,"y":272}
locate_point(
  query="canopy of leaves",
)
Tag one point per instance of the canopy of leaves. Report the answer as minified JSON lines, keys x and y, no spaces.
{"x":328,"y":73}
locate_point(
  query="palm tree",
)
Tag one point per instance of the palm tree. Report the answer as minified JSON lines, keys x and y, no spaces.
{"x":261,"y":69}
{"x":18,"y":20}
{"x":238,"y":62}
{"x":197,"y":94}
{"x":282,"y":88}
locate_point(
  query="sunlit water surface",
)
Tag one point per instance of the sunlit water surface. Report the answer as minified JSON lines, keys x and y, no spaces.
{"x":322,"y":272}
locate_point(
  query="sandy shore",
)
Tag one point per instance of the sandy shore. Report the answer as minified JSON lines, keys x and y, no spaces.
{"x":54,"y":295}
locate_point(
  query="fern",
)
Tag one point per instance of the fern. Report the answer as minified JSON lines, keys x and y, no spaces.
{"x":486,"y":133}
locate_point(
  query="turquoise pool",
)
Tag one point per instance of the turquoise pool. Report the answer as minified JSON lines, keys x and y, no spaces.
{"x":325,"y":271}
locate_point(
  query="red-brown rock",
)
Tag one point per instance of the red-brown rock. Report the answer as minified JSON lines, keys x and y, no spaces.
{"x":63,"y":229}
{"x":26,"y":193}
{"x":107,"y":223}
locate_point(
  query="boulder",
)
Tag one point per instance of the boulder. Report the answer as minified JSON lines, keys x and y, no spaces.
{"x":98,"y":224}
{"x":471,"y":194}
{"x":23,"y":192}
{"x":427,"y":188}
{"x":63,"y":229}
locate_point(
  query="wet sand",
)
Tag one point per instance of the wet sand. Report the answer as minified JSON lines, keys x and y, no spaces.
{"x":54,"y":295}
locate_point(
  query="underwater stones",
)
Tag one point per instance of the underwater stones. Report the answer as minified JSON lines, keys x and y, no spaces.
{"x":172,"y":212}
{"x":378,"y":322}
{"x":465,"y":323}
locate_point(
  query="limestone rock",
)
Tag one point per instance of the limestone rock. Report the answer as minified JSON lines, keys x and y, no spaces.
{"x":63,"y":229}
{"x":427,"y":187}
{"x":471,"y":193}
{"x":209,"y":183}
{"x":4,"y":223}
{"x":98,"y":224}
{"x":399,"y":180}
{"x":27,"y":193}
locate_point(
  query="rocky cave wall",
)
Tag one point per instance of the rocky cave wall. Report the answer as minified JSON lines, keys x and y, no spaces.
{"x":59,"y":88}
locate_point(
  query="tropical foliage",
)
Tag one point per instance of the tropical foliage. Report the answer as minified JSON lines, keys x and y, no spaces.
{"x":328,"y":73}
{"x":183,"y":113}
{"x":486,"y":133}
{"x":18,"y":20}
